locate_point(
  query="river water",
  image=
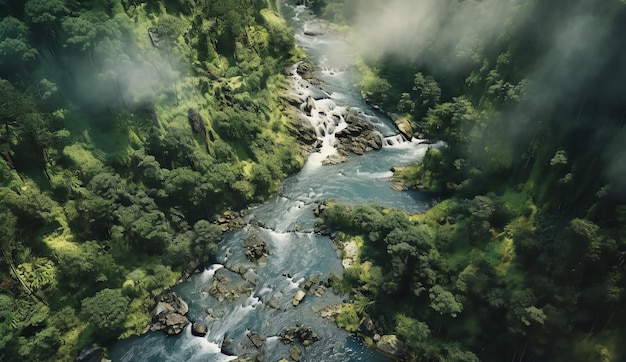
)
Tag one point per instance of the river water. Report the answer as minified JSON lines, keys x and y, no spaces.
{"x":286,"y":223}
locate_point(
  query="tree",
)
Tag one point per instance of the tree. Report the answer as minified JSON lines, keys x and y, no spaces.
{"x":205,"y":244}
{"x":428,"y":91}
{"x":44,"y":11}
{"x":376,"y":90}
{"x":412,"y":331}
{"x":405,"y":104}
{"x":15,"y":47}
{"x":6,"y":319}
{"x":444,"y":302}
{"x":81,"y":31}
{"x":451,"y":121}
{"x":106,"y":312}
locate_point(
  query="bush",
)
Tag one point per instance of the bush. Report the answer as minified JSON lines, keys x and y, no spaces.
{"x":106,"y":312}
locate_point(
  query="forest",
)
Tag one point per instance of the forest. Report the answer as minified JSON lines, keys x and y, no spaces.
{"x":524,"y":257}
{"x":127,"y":126}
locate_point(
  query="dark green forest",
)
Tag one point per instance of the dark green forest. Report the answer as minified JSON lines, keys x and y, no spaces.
{"x":126,"y":127}
{"x":524,"y":257}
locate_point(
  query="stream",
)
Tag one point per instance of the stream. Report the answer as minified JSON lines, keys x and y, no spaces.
{"x":286,"y":224}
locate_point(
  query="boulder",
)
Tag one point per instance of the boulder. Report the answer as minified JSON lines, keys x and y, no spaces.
{"x":256,"y":247}
{"x":335,"y":159}
{"x":310,"y":282}
{"x":276,"y":300}
{"x":308,"y":105}
{"x":306,"y":70}
{"x":169,"y":313}
{"x":231,"y":220}
{"x":367,"y":327}
{"x":298,"y":298}
{"x":331,"y":311}
{"x":292,"y":98}
{"x":358,"y":137}
{"x":258,"y":340}
{"x":175,"y":323}
{"x":403,"y":125}
{"x":295,"y":353}
{"x":199,"y":329}
{"x":300,"y":333}
{"x":390,"y":345}
{"x":303,"y":130}
{"x":228,"y":347}
{"x":227,"y":285}
{"x":93,"y":353}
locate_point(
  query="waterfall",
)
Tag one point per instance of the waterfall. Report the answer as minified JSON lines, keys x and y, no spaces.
{"x":286,"y":223}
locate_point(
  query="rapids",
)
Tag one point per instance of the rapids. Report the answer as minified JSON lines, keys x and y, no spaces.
{"x":286,"y":224}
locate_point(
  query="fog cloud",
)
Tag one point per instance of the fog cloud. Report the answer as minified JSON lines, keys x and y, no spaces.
{"x":447,"y":28}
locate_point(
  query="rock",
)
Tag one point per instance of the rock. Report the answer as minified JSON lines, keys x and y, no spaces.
{"x":169,"y":313}
{"x":306,"y":70}
{"x":175,"y":323}
{"x":227,"y":347}
{"x":295,"y":353}
{"x":367,"y":327}
{"x":256,"y":247}
{"x":399,"y":185}
{"x":292,"y":99}
{"x":199,"y":329}
{"x":300,"y":333}
{"x":330,"y":312}
{"x":227,"y":285}
{"x":390,"y":344}
{"x":303,"y":130}
{"x":196,"y":121}
{"x":310,"y":282}
{"x":376,"y":337}
{"x":404,"y":126}
{"x":93,"y":353}
{"x":334,"y":159}
{"x":315,"y":28}
{"x":298,"y":298}
{"x":258,"y":340}
{"x":358,"y":137}
{"x":275,"y":300}
{"x":308,"y":105}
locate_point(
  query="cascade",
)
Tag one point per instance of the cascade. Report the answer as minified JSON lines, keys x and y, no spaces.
{"x":285,"y":223}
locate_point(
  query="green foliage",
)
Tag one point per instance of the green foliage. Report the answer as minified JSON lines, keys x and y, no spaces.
{"x":444,"y":302}
{"x":411,"y":330}
{"x":44,"y":11}
{"x":348,"y":318}
{"x":15,"y":42}
{"x":6,"y":320}
{"x":428,"y":91}
{"x":106,"y":311}
{"x":100,"y":172}
{"x":375,"y":89}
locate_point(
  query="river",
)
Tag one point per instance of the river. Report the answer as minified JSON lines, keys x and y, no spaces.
{"x":286,"y":223}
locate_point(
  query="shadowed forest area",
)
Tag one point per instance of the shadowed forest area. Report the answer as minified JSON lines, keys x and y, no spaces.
{"x":524,"y":259}
{"x":126,"y":127}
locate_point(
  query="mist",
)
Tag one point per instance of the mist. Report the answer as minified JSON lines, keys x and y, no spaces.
{"x":119,"y":75}
{"x":434,"y":29}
